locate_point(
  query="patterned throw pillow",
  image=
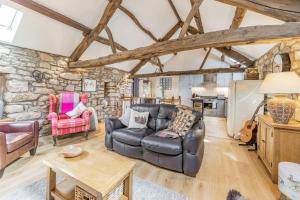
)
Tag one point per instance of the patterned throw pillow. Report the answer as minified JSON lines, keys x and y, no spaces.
{"x":183,"y":122}
{"x":138,"y":119}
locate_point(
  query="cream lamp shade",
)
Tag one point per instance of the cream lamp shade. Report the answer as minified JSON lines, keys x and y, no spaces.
{"x":281,"y":83}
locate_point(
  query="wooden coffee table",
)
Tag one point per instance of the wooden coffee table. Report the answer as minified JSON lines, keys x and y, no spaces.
{"x":99,"y":173}
{"x":7,"y":120}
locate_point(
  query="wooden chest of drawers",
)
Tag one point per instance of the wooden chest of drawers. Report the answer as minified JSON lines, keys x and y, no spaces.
{"x":277,"y":143}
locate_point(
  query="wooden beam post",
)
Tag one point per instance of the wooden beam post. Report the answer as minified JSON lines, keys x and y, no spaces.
{"x":171,"y":32}
{"x":198,"y":19}
{"x":174,"y":10}
{"x":243,"y":60}
{"x":139,"y":66}
{"x":238,"y":17}
{"x":205,"y":59}
{"x":241,"y":36}
{"x":191,"y":72}
{"x":86,"y":42}
{"x":189,"y":18}
{"x":136,"y":21}
{"x":111,"y":39}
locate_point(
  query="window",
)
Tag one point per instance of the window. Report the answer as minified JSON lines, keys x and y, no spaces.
{"x":9,"y":21}
{"x":166,"y":83}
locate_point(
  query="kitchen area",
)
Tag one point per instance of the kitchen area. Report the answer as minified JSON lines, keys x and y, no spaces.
{"x":210,"y":92}
{"x":207,"y":93}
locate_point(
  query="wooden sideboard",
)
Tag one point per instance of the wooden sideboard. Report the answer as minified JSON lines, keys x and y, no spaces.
{"x":277,"y":143}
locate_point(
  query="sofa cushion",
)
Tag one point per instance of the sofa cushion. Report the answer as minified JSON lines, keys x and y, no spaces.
{"x":16,"y":140}
{"x":69,"y":123}
{"x":131,"y":136}
{"x":165,"y":115}
{"x":153,"y":112}
{"x":169,"y":146}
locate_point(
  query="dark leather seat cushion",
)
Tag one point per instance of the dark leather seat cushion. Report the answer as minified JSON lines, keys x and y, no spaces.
{"x":131,"y":136}
{"x":16,"y":140}
{"x":162,"y":145}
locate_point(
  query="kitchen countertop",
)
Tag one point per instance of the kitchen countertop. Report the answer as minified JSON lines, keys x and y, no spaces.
{"x":203,"y":98}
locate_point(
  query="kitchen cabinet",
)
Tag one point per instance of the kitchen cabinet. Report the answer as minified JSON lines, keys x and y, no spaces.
{"x":277,"y":143}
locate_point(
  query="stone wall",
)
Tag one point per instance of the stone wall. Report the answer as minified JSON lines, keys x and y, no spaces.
{"x":264,"y":64}
{"x":27,"y":99}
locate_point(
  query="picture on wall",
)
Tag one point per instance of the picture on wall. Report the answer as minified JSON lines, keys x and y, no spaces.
{"x":89,"y":85}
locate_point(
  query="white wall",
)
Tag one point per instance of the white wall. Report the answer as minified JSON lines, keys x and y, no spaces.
{"x":210,"y":91}
{"x":156,"y":90}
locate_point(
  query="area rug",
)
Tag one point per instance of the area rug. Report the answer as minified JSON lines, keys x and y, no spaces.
{"x":142,"y":190}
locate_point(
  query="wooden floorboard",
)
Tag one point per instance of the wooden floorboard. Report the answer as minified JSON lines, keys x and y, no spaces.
{"x":225,"y":166}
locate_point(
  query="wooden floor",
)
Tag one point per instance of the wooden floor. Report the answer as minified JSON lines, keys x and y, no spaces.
{"x":225,"y":166}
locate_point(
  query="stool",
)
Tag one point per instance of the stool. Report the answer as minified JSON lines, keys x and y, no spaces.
{"x":289,"y":180}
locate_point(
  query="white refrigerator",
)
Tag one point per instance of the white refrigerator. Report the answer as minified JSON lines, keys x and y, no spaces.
{"x":243,"y":99}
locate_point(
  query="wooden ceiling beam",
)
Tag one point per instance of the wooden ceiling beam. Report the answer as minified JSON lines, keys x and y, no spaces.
{"x":87,"y":41}
{"x":189,"y":18}
{"x":167,"y":36}
{"x":52,"y":14}
{"x":190,"y":72}
{"x":146,"y":31}
{"x":108,"y":43}
{"x":136,"y":21}
{"x":198,"y":19}
{"x":285,"y":10}
{"x":65,"y":20}
{"x":205,"y":59}
{"x":139,"y":66}
{"x":236,"y":22}
{"x":111,"y":39}
{"x":242,"y":36}
{"x":243,"y":60}
{"x":238,"y":17}
{"x":68,"y":21}
{"x":174,"y":10}
{"x":171,"y":32}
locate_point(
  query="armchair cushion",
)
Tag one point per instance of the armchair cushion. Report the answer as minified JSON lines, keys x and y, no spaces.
{"x":16,"y":140}
{"x":69,"y":123}
{"x":63,"y":116}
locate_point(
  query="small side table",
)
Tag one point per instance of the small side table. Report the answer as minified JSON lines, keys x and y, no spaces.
{"x":289,"y":180}
{"x":7,"y":120}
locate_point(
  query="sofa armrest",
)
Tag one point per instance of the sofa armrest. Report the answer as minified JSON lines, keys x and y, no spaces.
{"x":111,"y":124}
{"x":86,"y":116}
{"x":52,"y":116}
{"x":194,"y":137}
{"x":3,"y":150}
{"x":21,"y":126}
{"x":193,"y":149}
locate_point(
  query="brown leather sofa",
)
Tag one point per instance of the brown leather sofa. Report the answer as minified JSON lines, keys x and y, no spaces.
{"x":181,"y":155}
{"x":17,"y":138}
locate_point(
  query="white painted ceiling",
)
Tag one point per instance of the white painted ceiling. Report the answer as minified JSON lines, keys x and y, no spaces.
{"x":42,"y":33}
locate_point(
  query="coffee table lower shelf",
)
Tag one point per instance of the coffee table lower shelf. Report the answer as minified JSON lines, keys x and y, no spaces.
{"x":65,"y":190}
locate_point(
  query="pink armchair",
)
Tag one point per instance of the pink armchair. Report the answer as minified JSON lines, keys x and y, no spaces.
{"x":61,"y":124}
